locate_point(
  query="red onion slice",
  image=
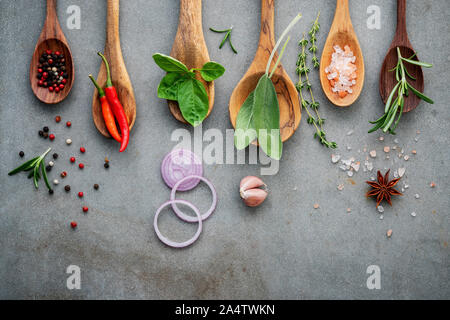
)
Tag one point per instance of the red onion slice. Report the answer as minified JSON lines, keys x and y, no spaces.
{"x":184,"y":216}
{"x":178,"y":164}
{"x":169,"y":242}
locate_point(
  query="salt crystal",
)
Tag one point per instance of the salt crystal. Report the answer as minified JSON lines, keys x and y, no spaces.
{"x":416,"y":196}
{"x":347,"y":162}
{"x":350,"y":173}
{"x":416,"y":139}
{"x":414,"y":152}
{"x":373,"y":153}
{"x":350,"y":132}
{"x":364,"y":149}
{"x":406,"y":186}
{"x":386,"y":149}
{"x":401,"y":172}
{"x":389,"y":233}
{"x":432,"y":185}
{"x":413,"y":214}
{"x":381,"y":138}
{"x":349,"y":210}
{"x":381,"y":217}
{"x":394,"y":148}
{"x":316,"y":206}
{"x":387,"y":157}
{"x":349,"y":148}
{"x":340,"y":187}
{"x":406,"y":158}
{"x":335,"y":158}
{"x":403,"y":189}
{"x":356,"y":166}
{"x":395,"y":140}
{"x":418,"y":131}
{"x":295,"y":188}
{"x":372,"y":178}
{"x":380,"y":209}
{"x":343,"y":167}
{"x":369,"y":166}
{"x":395,"y":174}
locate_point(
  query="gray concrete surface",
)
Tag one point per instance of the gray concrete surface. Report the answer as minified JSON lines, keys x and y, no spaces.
{"x":283,"y":249}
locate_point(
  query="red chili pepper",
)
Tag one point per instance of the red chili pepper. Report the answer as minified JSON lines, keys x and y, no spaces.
{"x":117,"y":108}
{"x":108,"y":115}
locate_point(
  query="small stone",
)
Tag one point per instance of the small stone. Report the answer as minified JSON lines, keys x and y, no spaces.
{"x":316,"y":206}
{"x":432,"y":185}
{"x":414,"y":152}
{"x":381,"y":138}
{"x":68,"y":141}
{"x":55,"y":182}
{"x":335,"y":158}
{"x":349,"y":210}
{"x":389,"y":233}
{"x":387,"y":149}
{"x":380,"y":209}
{"x":350,"y":173}
{"x":373,"y":153}
{"x":416,"y":196}
{"x":401,"y":172}
{"x":406,"y":158}
{"x":413,"y":214}
{"x":350,"y":132}
{"x":340,"y":187}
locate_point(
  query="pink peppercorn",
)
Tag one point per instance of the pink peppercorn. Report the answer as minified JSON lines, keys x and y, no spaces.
{"x":51,"y":136}
{"x":82,"y":150}
{"x":85,"y":209}
{"x":81,"y":166}
{"x":68,"y":123}
{"x":72,"y":159}
{"x":80,"y":194}
{"x":73,"y":224}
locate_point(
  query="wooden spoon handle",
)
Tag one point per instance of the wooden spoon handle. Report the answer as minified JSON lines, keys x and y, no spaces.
{"x":190,"y":19}
{"x":401,"y":34}
{"x":112,"y":27}
{"x":266,"y":35}
{"x":342,"y":17}
{"x":51,"y":26}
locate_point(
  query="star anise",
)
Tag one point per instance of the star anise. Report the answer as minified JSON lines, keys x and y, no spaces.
{"x":383,"y":189}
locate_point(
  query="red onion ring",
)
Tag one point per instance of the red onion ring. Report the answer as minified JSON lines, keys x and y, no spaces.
{"x":184,"y":216}
{"x":169,"y":242}
{"x":178,"y":164}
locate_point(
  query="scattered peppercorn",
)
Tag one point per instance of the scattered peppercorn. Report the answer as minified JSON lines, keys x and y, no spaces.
{"x":81,"y":166}
{"x":67,"y":188}
{"x":46,"y":129}
{"x":63,"y":174}
{"x":72,"y":159}
{"x":48,"y":168}
{"x":106,"y":165}
{"x":68,"y":123}
{"x":82,"y":150}
{"x":68,"y":141}
{"x":106,"y":160}
{"x":21,"y":154}
{"x":96,"y":186}
{"x":55,"y":156}
{"x":45,"y":135}
{"x":58,"y":119}
{"x":73,"y":224}
{"x":51,"y":163}
{"x":50,"y":191}
{"x":51,"y":136}
{"x":80,"y":194}
{"x":41,"y":133}
{"x":85,"y":209}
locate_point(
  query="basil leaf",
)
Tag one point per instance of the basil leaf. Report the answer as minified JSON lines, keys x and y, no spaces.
{"x":193,"y":101}
{"x":168,"y":87}
{"x":245,"y":133}
{"x":26,"y":166}
{"x":168,"y":63}
{"x":266,"y":118}
{"x":211,"y":71}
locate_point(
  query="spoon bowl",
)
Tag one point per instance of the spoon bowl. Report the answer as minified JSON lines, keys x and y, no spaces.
{"x":51,"y":38}
{"x":342,"y":33}
{"x":290,"y":112}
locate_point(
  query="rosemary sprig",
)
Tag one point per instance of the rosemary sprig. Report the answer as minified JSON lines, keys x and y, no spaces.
{"x":312,"y":39}
{"x":34,"y":166}
{"x":301,"y":70}
{"x":227,"y":37}
{"x":394,"y":107}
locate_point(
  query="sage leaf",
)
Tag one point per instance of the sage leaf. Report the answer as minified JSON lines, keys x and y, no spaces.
{"x":193,"y":101}
{"x":211,"y":71}
{"x":169,"y":64}
{"x":168,"y":87}
{"x":266,"y":118}
{"x":245,"y":132}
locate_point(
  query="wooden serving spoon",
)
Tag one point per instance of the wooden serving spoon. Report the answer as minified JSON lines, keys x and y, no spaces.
{"x":287,"y":94}
{"x":190,"y":48}
{"x":119,"y":74}
{"x":51,"y":38}
{"x":387,"y":79}
{"x":342,"y":34}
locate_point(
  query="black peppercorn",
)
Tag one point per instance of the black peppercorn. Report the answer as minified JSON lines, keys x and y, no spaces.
{"x":106,"y":165}
{"x":45,"y":135}
{"x":50,"y":191}
{"x":96,"y":186}
{"x":45,"y":129}
{"x":55,"y":156}
{"x":41,"y":60}
{"x":48,"y":168}
{"x":39,"y":75}
{"x":21,"y":154}
{"x":41,"y":133}
{"x":67,"y":188}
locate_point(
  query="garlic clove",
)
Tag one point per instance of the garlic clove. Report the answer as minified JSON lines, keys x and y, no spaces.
{"x":251,"y":182}
{"x":254,"y":197}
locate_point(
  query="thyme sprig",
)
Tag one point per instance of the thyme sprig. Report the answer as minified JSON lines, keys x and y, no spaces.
{"x":312,"y":39}
{"x":303,"y":70}
{"x":394,"y":107}
{"x":227,"y":37}
{"x":34,"y":166}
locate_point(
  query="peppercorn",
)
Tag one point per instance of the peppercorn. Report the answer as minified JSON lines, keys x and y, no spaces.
{"x":48,"y":168}
{"x":96,"y":186}
{"x":50,"y":191}
{"x":68,"y":123}
{"x":50,"y":89}
{"x":41,"y":133}
{"x":63,"y":175}
{"x":81,"y":166}
{"x":67,"y":188}
{"x":57,"y":89}
{"x":82,"y":150}
{"x":72,"y":159}
{"x":39,"y":75}
{"x":85,"y":209}
{"x":45,"y":135}
{"x":106,"y":165}
{"x":80,"y":194}
{"x":21,"y":154}
{"x":46,"y":129}
{"x":73,"y":224}
{"x":51,"y":136}
{"x":55,"y":156}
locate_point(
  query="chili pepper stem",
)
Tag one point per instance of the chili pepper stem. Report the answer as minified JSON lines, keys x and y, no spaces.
{"x":101,"y":93}
{"x":108,"y":72}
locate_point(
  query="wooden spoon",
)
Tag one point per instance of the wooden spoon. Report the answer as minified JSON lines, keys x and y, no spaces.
{"x":119,"y":74}
{"x":287,"y":94}
{"x":190,"y":48}
{"x":51,"y":38}
{"x":342,"y":33}
{"x":387,"y":79}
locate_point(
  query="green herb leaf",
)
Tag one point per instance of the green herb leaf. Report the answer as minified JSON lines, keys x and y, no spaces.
{"x":266,"y":118}
{"x":168,"y":87}
{"x":193,"y":101}
{"x":44,"y":174}
{"x":168,"y":63}
{"x":422,"y":64}
{"x":245,"y":132}
{"x":211,"y":71}
{"x":420,"y":95}
{"x":24,"y":167}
